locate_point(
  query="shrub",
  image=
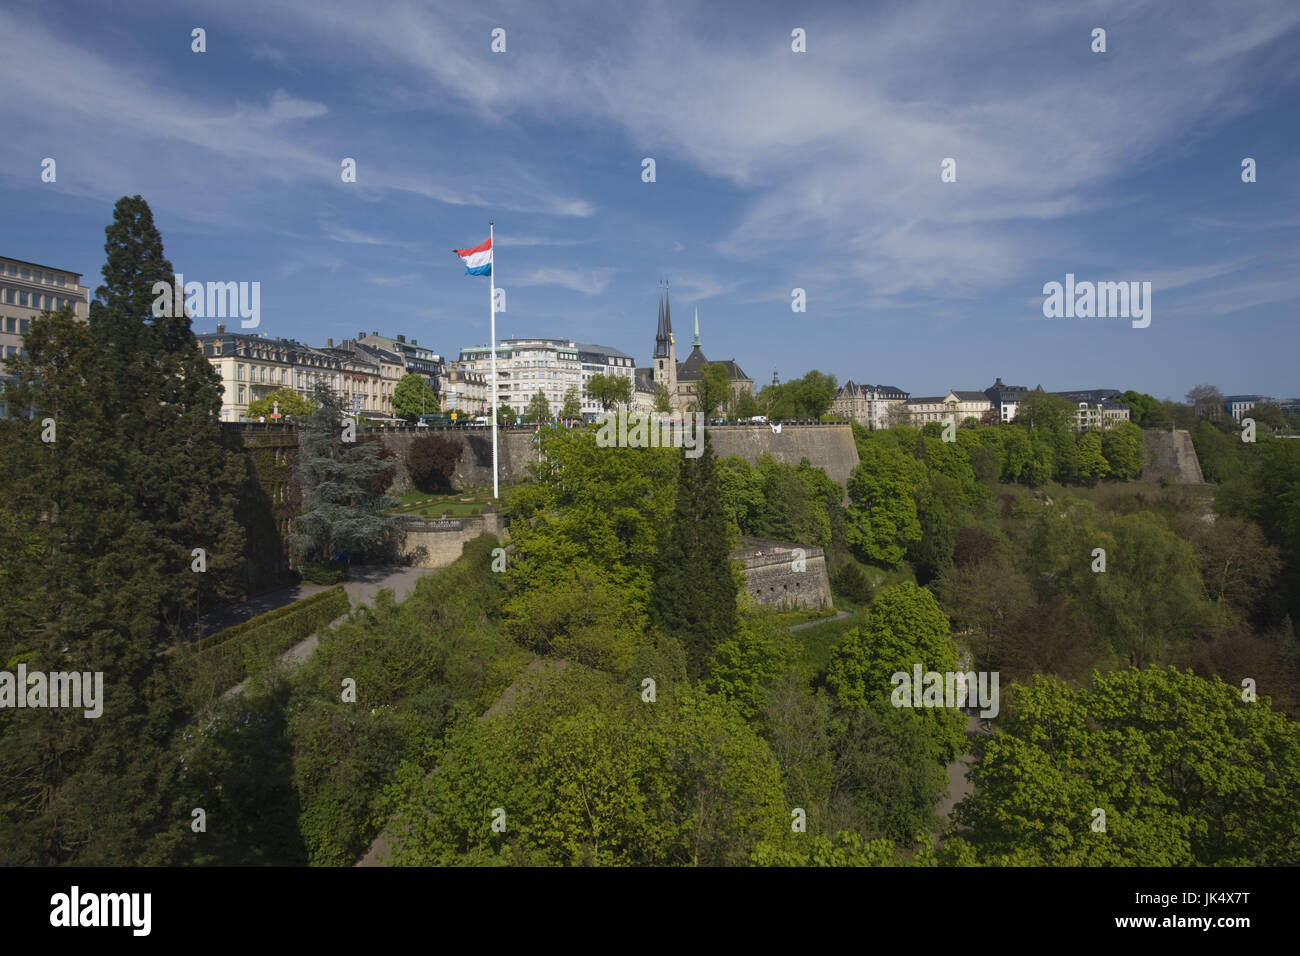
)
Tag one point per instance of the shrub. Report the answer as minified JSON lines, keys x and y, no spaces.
{"x":381,"y":481}
{"x":432,"y":460}
{"x":324,"y":574}
{"x":210,"y":667}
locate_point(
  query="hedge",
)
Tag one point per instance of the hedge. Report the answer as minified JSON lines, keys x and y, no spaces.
{"x":210,"y":667}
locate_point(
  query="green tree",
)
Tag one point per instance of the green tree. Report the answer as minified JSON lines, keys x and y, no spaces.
{"x":663,"y":401}
{"x":1268,"y":413}
{"x":1091,"y":463}
{"x":744,"y":666}
{"x":1206,"y":401}
{"x":289,"y":402}
{"x":904,"y":628}
{"x":794,"y":508}
{"x":538,"y":410}
{"x":1048,"y":412}
{"x":694,"y":596}
{"x":137,"y":476}
{"x":881,"y":517}
{"x":1142,"y":408}
{"x":1124,"y":450}
{"x":1186,"y":772}
{"x":341,"y":509}
{"x":506,"y":415}
{"x":813,"y":394}
{"x":745,"y":407}
{"x":740,"y":488}
{"x":572,"y":407}
{"x":609,"y":390}
{"x":714,"y":389}
{"x":589,"y":775}
{"x":412,"y":397}
{"x":984,"y":598}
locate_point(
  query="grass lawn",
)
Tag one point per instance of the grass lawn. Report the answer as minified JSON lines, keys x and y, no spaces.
{"x":454,"y":504}
{"x":820,"y":640}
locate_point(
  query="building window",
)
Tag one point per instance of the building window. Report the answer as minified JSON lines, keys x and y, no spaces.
{"x":23,"y":325}
{"x":26,"y":273}
{"x":239,"y":375}
{"x":12,"y":270}
{"x":22,"y":298}
{"x":241,"y":395}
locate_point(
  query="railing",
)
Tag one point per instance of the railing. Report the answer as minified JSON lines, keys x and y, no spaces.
{"x":529,"y":427}
{"x":440,"y":524}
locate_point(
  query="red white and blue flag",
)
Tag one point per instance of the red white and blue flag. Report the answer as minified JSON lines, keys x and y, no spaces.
{"x":478,"y":261}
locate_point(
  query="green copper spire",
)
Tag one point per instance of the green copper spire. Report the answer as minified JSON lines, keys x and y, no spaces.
{"x":696,"y":343}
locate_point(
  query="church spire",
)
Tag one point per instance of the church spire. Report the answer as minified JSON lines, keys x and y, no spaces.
{"x":668,"y":311}
{"x":696,"y":343}
{"x":664,"y":333}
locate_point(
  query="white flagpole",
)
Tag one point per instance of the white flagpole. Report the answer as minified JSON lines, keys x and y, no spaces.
{"x":492,"y":306}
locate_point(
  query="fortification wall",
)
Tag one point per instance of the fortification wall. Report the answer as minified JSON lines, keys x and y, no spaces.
{"x":778,"y":575}
{"x":444,"y":540}
{"x":1171,"y":454}
{"x":825,"y":446}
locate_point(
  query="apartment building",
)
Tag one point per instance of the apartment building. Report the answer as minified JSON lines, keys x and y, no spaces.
{"x":464,"y":392}
{"x":1239,"y":405}
{"x":419,"y":359}
{"x":1098,"y":407}
{"x":1006,"y":399}
{"x":603,"y":360}
{"x":252,"y":367}
{"x":26,"y":290}
{"x":955,"y":407}
{"x":370,"y":377}
{"x":868,"y":405}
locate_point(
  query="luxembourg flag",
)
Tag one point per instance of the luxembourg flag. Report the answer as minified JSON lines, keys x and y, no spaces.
{"x":478,"y":261}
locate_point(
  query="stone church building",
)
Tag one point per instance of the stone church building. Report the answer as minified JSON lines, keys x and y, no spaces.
{"x":680,"y":379}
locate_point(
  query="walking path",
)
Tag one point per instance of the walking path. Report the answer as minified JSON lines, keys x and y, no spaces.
{"x":821,"y":620}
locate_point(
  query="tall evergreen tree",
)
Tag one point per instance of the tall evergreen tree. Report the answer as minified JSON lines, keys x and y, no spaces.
{"x":341,"y":508}
{"x":694,"y":595}
{"x":185,"y":474}
{"x":107,"y":515}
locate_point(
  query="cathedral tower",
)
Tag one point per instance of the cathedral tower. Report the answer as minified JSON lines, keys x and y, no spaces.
{"x":665,"y":354}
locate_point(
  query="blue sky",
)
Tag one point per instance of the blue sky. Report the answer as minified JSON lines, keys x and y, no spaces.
{"x":775,"y":170}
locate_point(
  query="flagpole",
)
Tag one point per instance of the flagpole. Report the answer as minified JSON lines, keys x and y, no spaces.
{"x":492,"y":307}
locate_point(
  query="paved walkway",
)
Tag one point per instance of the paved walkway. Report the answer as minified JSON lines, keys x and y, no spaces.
{"x":232,"y":614}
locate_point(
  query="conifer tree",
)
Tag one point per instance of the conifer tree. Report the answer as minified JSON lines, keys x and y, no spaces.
{"x":119,"y":472}
{"x":694,"y":596}
{"x":341,"y":508}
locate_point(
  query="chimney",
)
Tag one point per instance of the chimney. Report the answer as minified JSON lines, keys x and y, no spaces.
{"x":220,"y":329}
{"x":331,"y":343}
{"x":415,"y":341}
{"x":375,"y":334}
{"x":401,"y":338}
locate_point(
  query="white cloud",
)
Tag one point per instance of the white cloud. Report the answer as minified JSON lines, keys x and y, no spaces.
{"x":587,"y":281}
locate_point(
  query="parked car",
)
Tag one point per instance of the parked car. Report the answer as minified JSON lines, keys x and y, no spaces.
{"x":759,"y":419}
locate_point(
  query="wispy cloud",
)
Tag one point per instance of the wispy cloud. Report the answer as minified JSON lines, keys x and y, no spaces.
{"x":586,"y":281}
